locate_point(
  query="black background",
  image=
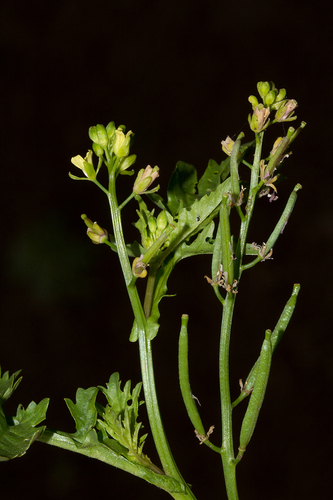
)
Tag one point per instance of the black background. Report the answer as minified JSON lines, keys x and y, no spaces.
{"x":178,"y":74}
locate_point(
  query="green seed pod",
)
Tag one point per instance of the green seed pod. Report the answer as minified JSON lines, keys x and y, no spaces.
{"x":277,"y":334}
{"x":258,"y":393}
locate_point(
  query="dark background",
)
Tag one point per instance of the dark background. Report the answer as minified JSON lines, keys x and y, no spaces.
{"x":178,"y":74}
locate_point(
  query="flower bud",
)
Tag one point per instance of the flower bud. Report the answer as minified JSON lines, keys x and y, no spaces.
{"x":270,"y":98}
{"x":127,"y":162}
{"x":98,"y":134}
{"x":98,"y":150}
{"x":253,"y":100}
{"x":122,"y":143}
{"x":263,"y":88}
{"x":162,"y":220}
{"x":281,"y":95}
{"x":85,"y":164}
{"x":110,"y":129}
{"x":145,"y":178}
{"x":152,"y":224}
{"x":95,"y":232}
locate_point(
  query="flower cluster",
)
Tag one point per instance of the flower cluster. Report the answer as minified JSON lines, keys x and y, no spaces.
{"x":273,"y":100}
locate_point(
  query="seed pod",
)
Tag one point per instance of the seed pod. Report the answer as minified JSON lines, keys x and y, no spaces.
{"x":258,"y":394}
{"x":277,"y":334}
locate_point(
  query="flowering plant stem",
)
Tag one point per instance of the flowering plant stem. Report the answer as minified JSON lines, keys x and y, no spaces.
{"x":195,"y":220}
{"x":146,"y":359}
{"x":227,"y":449}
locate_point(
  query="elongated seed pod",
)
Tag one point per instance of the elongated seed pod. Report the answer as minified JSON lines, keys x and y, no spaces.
{"x":258,"y":393}
{"x":277,"y":334}
{"x":184,"y":379}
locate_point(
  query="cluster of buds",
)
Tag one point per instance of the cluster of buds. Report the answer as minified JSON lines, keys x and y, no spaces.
{"x":112,"y":145}
{"x":272,"y":100}
{"x":152,"y":227}
{"x":95,"y":232}
{"x":107,"y":142}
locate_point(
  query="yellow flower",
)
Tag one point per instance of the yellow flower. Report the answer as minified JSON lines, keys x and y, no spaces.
{"x":85,"y":164}
{"x":122,"y":143}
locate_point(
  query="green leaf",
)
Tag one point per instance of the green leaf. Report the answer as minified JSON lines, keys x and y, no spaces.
{"x":190,"y":221}
{"x":8,"y":385}
{"x":119,"y":421}
{"x":19,"y":432}
{"x":202,"y":244}
{"x":85,"y":415}
{"x":182,"y":187}
{"x":120,"y":415}
{"x":213,"y":175}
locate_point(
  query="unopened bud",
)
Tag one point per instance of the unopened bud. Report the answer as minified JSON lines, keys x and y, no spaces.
{"x":270,"y":98}
{"x":263,"y":88}
{"x":281,"y":95}
{"x":162,"y":220}
{"x":110,"y":129}
{"x":98,"y":150}
{"x":152,"y":224}
{"x":95,"y":232}
{"x":253,"y":100}
{"x":98,"y":134}
{"x":127,"y":162}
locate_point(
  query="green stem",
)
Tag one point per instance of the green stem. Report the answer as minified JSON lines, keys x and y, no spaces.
{"x":130,"y":197}
{"x":245,"y":220}
{"x":105,"y":454}
{"x":227,"y":449}
{"x":147,"y":370}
